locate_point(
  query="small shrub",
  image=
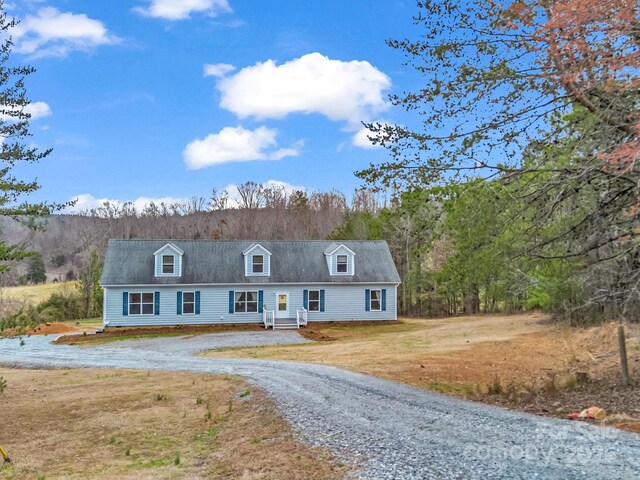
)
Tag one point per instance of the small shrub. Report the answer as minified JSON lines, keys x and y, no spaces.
{"x":208,"y":415}
{"x":128,"y":452}
{"x":199,"y":401}
{"x":3,"y":384}
{"x":244,"y":394}
{"x":495,"y":387}
{"x":160,"y":397}
{"x":176,"y":461}
{"x":112,"y":441}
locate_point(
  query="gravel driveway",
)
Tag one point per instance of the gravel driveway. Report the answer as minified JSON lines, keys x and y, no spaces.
{"x":391,"y":430}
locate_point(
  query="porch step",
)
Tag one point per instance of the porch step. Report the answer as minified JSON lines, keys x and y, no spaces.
{"x":283,"y":323}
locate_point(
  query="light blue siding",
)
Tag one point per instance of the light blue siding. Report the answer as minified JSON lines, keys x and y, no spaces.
{"x":341,"y":303}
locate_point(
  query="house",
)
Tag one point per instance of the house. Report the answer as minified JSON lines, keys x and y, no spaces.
{"x":279,"y":283}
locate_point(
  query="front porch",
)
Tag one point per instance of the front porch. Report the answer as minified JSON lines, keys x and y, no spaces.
{"x":271,"y":320}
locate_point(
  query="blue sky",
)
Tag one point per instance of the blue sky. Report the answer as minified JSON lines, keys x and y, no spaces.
{"x":168,"y":99}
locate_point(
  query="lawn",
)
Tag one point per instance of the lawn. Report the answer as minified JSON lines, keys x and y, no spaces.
{"x":34,"y":294}
{"x":400,"y":351}
{"x":124,"y":424}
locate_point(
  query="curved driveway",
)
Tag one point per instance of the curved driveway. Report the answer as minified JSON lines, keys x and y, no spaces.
{"x":392,"y":430}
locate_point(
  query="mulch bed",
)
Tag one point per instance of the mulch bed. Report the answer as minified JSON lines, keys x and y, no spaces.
{"x":313,"y":331}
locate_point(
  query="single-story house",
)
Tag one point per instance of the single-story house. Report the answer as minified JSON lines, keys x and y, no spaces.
{"x":173,"y":282}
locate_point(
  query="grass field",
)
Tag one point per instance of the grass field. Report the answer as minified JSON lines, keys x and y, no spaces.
{"x":33,"y":294}
{"x":399,"y":351}
{"x":108,"y":424}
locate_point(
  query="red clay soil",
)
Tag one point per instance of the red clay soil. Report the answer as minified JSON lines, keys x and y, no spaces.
{"x":44,"y":329}
{"x":153,"y":331}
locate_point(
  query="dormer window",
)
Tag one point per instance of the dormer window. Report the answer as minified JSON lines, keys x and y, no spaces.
{"x":340,"y":259}
{"x":258,"y":264}
{"x":341,"y":264}
{"x":168,"y":261}
{"x":257,"y":261}
{"x":168,"y":264}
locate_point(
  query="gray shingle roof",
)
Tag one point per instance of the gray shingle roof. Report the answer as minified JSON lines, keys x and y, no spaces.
{"x":131,"y":262}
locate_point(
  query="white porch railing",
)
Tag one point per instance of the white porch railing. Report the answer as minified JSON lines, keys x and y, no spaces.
{"x":268,"y":318}
{"x":301,"y":317}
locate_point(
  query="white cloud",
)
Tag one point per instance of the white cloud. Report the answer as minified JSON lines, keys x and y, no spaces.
{"x":86,"y":202}
{"x":236,"y":144}
{"x":342,"y":91}
{"x":54,"y":33}
{"x":217,"y":69}
{"x":233,"y":199}
{"x":38,"y":110}
{"x":182,"y":9}
{"x":361,"y":139}
{"x":35,"y":109}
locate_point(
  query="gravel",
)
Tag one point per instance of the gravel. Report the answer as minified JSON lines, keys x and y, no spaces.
{"x":388,"y":430}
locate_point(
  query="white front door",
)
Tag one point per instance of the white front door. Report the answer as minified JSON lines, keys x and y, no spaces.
{"x":282,"y":305}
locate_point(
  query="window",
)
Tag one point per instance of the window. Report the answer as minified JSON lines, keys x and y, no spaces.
{"x":246,"y":302}
{"x":258,"y":264}
{"x":188,"y":302}
{"x":168,"y":263}
{"x":141,"y":304}
{"x":314,"y":300}
{"x":376,"y":296}
{"x":341,"y":264}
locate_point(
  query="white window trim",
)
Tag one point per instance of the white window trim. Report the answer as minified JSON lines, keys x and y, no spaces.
{"x":346,"y":263}
{"x":236,"y":292}
{"x":153,"y":304}
{"x":309,"y":301}
{"x":371,"y":309}
{"x":253,"y":264}
{"x":173,"y":264}
{"x":194,"y":303}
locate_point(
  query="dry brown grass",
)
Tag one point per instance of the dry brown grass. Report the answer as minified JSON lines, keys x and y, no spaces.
{"x":415,"y":351}
{"x":34,"y":294}
{"x":124,"y":424}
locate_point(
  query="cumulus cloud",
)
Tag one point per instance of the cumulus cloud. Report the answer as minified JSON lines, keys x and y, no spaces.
{"x":361,"y":139}
{"x":38,"y":110}
{"x":217,"y":69}
{"x":86,"y":202}
{"x":236,"y":144}
{"x":342,"y":91}
{"x":54,"y":33}
{"x":233,"y":196}
{"x":182,"y":9}
{"x":35,"y":109}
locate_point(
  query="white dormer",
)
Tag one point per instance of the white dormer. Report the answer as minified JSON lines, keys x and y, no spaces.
{"x":340,"y":259}
{"x":257,"y":261}
{"x":168,"y":261}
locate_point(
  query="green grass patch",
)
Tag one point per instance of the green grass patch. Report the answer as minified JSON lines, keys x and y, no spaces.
{"x":451,"y":388}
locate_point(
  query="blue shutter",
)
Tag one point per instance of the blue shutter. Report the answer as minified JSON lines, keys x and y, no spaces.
{"x":179,"y":304}
{"x":305,"y":299}
{"x":367,"y":300}
{"x":125,"y":304}
{"x":322,"y":300}
{"x":197,"y":303}
{"x":384,"y":299}
{"x":156,"y":303}
{"x":260,"y":300}
{"x":232,"y":300}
